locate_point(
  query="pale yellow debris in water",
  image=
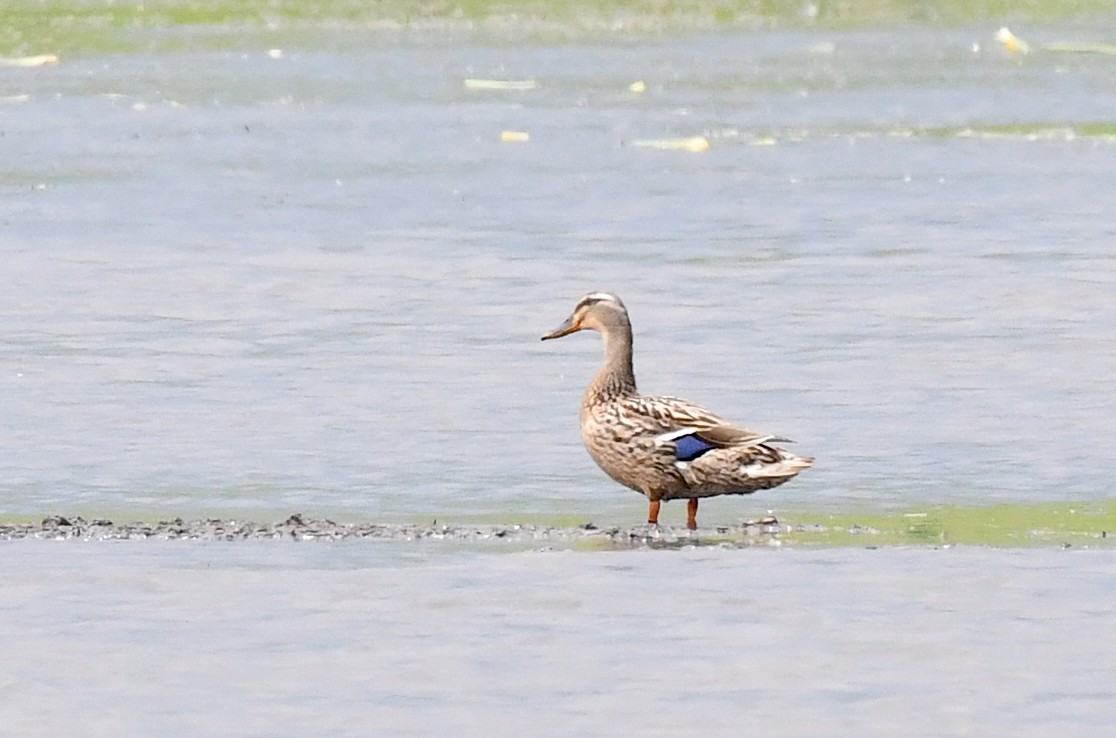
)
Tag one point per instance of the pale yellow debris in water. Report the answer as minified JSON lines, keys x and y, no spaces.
{"x":28,"y":61}
{"x":275,"y":53}
{"x":694,"y":143}
{"x":499,"y":84}
{"x":515,"y":136}
{"x":1074,"y":47}
{"x":1012,"y":44}
{"x":637,"y":86}
{"x":768,"y":141}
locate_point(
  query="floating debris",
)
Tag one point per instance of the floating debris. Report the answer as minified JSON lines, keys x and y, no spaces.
{"x":1074,"y":47}
{"x":500,"y":84}
{"x":515,"y":136}
{"x":1012,"y":44}
{"x":28,"y":61}
{"x":694,"y":143}
{"x":1016,"y":46}
{"x":637,"y":86}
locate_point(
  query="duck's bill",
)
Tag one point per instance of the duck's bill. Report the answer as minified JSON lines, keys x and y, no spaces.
{"x":563,"y":330}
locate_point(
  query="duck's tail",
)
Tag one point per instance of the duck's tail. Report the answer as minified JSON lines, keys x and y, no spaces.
{"x":783,"y":466}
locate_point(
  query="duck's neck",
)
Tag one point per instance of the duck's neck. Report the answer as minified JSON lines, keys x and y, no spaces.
{"x":616,"y":378}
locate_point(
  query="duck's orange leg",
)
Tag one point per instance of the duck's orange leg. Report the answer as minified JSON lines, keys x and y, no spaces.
{"x":691,"y":513}
{"x":653,"y":512}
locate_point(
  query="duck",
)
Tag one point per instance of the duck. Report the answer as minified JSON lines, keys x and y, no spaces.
{"x":664,"y":447}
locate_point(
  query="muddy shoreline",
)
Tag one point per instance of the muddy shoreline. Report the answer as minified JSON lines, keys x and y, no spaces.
{"x":301,"y":528}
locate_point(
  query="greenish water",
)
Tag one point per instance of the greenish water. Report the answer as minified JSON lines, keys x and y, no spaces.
{"x":68,"y":26}
{"x":1086,"y":524}
{"x":1091,"y":524}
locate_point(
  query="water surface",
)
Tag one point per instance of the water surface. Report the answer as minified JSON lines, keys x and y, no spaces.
{"x":243,"y":284}
{"x":255,"y":639}
{"x":316,"y":282}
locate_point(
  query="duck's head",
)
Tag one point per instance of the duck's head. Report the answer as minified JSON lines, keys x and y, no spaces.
{"x":597,"y":311}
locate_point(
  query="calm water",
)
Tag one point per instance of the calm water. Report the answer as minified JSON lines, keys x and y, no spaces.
{"x":317,"y":282}
{"x":260,"y":640}
{"x":237,"y":284}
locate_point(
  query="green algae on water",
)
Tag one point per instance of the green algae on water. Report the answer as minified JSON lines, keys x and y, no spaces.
{"x":1007,"y":525}
{"x":67,"y":26}
{"x":1001,"y":526}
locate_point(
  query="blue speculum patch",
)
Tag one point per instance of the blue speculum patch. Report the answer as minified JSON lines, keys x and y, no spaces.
{"x":688,"y":448}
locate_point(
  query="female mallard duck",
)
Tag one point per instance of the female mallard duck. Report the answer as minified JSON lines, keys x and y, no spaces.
{"x":664,"y":447}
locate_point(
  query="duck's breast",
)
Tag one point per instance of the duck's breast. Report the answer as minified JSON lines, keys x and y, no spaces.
{"x":625,"y":449}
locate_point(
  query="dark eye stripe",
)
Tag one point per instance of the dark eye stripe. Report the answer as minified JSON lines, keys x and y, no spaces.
{"x":586,"y":302}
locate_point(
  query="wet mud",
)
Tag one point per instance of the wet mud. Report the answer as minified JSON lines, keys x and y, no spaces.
{"x":300,"y":528}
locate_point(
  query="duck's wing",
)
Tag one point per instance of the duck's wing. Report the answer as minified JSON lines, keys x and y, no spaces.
{"x":694,"y":430}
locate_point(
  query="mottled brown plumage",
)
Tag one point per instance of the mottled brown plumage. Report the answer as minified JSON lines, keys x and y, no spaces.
{"x":664,"y":447}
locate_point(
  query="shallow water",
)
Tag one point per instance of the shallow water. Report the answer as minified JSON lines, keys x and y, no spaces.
{"x":240,"y":286}
{"x":235,"y":282}
{"x":318,"y":639}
